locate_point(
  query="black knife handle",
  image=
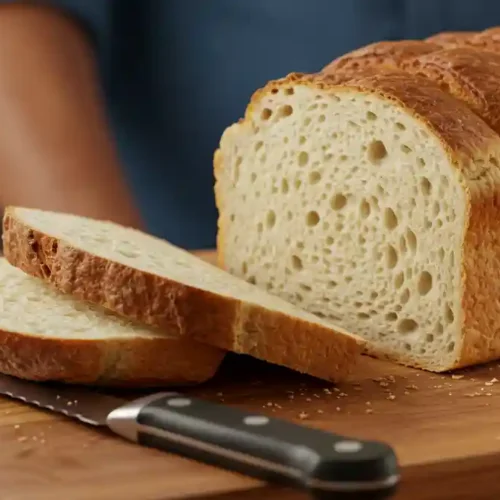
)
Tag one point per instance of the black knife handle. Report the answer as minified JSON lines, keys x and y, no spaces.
{"x":325,"y":464}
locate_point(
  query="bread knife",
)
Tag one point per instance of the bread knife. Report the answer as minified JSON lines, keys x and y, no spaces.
{"x":323,"y":464}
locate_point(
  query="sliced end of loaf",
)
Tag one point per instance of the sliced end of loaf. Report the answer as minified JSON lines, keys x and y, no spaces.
{"x":352,"y":202}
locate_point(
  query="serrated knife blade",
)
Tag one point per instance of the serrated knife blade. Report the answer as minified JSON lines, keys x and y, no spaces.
{"x":326,"y":465}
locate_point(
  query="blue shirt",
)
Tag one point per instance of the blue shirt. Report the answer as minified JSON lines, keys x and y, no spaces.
{"x":177,"y":72}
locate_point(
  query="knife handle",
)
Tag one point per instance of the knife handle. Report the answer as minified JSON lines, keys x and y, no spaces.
{"x":325,"y":464}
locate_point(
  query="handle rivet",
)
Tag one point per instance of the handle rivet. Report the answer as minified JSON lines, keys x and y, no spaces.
{"x":179,"y":402}
{"x":347,"y":446}
{"x":256,"y":420}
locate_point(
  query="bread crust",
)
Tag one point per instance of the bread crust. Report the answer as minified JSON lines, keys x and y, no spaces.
{"x":473,"y":148}
{"x":385,"y":54}
{"x":132,"y":363}
{"x":450,"y":39}
{"x":180,"y":309}
{"x":488,"y":39}
{"x":469,"y":74}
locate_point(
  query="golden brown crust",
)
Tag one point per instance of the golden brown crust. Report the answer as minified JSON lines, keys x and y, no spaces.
{"x":377,"y":54}
{"x":177,"y":308}
{"x":486,"y":40}
{"x":469,"y":74}
{"x":450,"y":39}
{"x":137,"y":362}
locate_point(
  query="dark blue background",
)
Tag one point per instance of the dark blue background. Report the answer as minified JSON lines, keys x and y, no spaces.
{"x":177,"y":72}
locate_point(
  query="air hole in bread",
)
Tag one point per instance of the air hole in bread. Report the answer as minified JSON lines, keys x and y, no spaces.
{"x":338,"y":201}
{"x":449,"y":315}
{"x":285,"y":187}
{"x":399,"y":280}
{"x":424,"y":283}
{"x":441,"y":254}
{"x":405,"y":149}
{"x":258,"y":145}
{"x":236,"y":174}
{"x":307,"y":121}
{"x":429,"y":338}
{"x":363,"y":315}
{"x":421,"y":162}
{"x":297,"y":263}
{"x":266,"y":114}
{"x":253,"y":177}
{"x":407,"y":325}
{"x":411,"y":239}
{"x":270,"y":219}
{"x":55,"y":247}
{"x":400,"y":126}
{"x":289,"y":91}
{"x":330,"y":240}
{"x":364,"y":209}
{"x":451,"y":347}
{"x":390,"y":218}
{"x":260,"y":227}
{"x":376,"y":151}
{"x":370,"y":115}
{"x":314,"y":177}
{"x":297,"y":183}
{"x":391,"y":316}
{"x":303,"y":159}
{"x":331,"y":284}
{"x":439,"y":328}
{"x":321,"y":118}
{"x":285,"y":111}
{"x":305,"y":287}
{"x":312,"y":218}
{"x":425,"y":186}
{"x":391,"y":257}
{"x":405,"y":296}
{"x":302,"y":139}
{"x":244,"y":267}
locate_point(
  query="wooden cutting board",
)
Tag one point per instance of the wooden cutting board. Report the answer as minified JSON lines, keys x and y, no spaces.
{"x":445,"y":430}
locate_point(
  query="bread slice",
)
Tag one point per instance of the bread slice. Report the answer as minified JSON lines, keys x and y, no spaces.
{"x":148,"y":280}
{"x":469,"y":74}
{"x":48,"y":336}
{"x":385,"y":53}
{"x":381,"y":198}
{"x":450,"y":39}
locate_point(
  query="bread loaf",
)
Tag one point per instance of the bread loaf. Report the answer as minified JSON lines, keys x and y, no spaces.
{"x":467,"y":73}
{"x":150,"y":281}
{"x":374,"y":204}
{"x":48,"y":336}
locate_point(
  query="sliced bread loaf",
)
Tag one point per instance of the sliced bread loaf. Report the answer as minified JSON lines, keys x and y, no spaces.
{"x":48,"y":336}
{"x":375,"y":204}
{"x":148,"y":280}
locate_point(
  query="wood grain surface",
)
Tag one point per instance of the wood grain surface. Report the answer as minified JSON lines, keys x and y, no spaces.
{"x":445,"y":430}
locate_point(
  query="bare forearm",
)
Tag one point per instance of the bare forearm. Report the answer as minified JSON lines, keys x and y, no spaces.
{"x":55,"y":148}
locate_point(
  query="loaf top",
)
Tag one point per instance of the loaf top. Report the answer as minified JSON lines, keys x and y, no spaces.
{"x":386,"y":53}
{"x":470,"y":74}
{"x":448,"y":39}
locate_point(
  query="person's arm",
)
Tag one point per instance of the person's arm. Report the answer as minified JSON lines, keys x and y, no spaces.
{"x":56,"y":151}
